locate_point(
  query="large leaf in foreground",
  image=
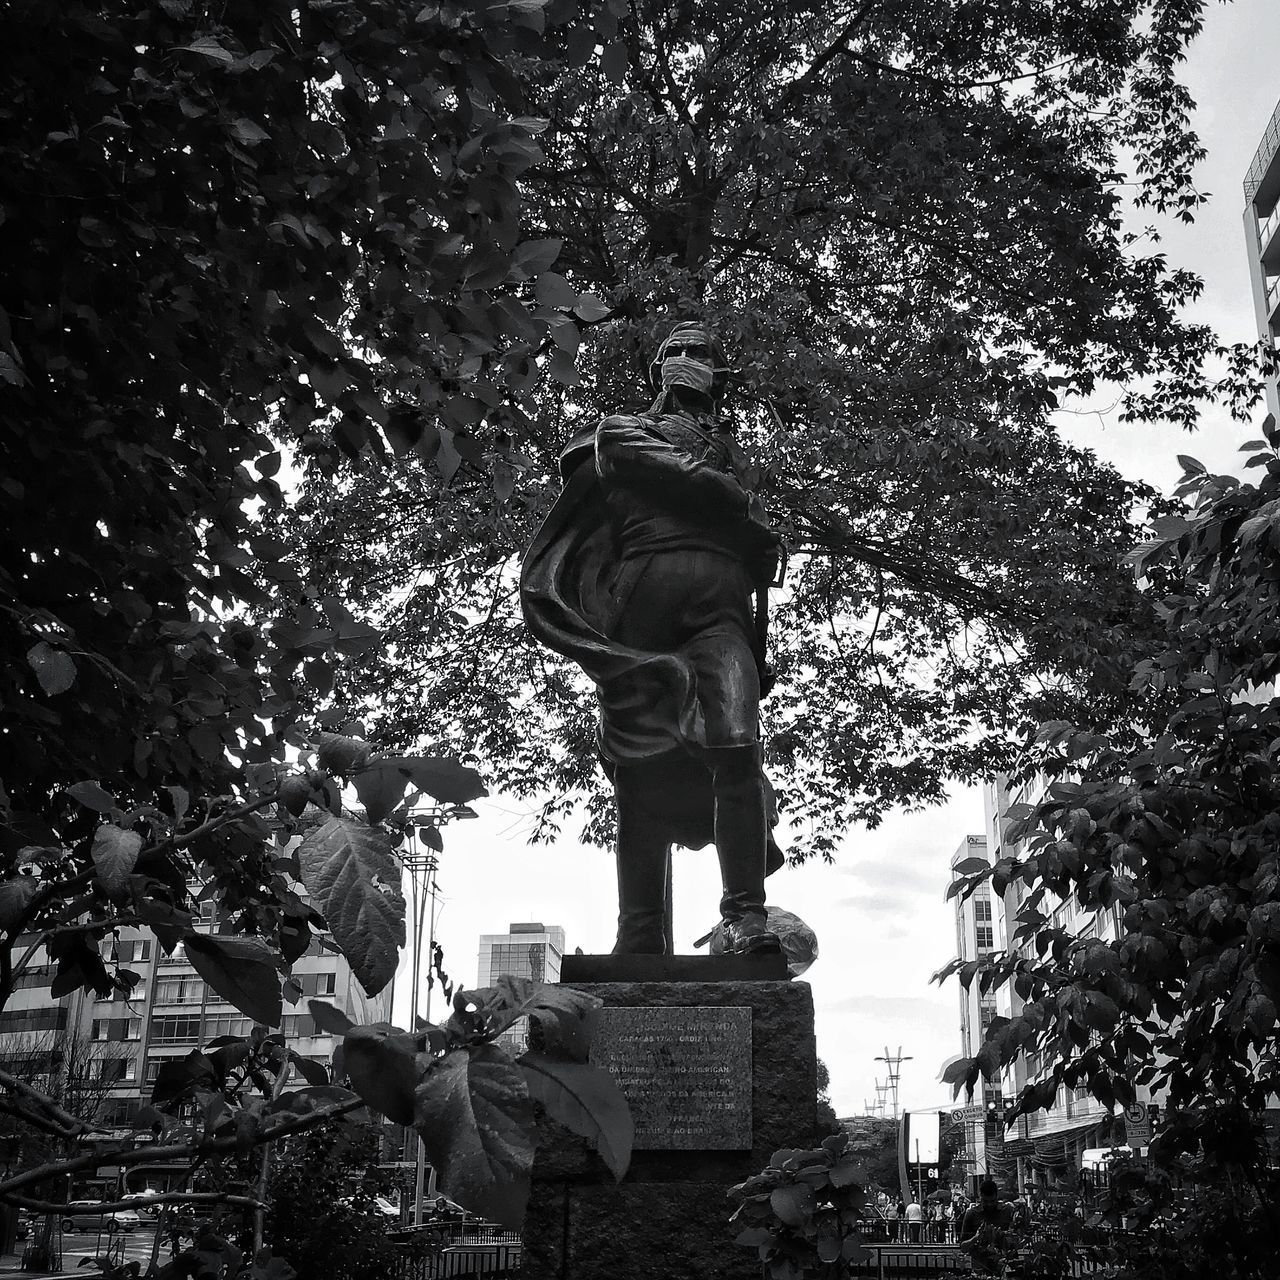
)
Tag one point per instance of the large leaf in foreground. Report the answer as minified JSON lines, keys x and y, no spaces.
{"x":567,"y":1018}
{"x":354,"y":881}
{"x":585,"y":1099}
{"x":476,"y":1123}
{"x":241,"y":970}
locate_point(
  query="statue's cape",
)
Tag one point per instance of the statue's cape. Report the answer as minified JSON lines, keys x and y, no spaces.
{"x":648,"y":702}
{"x":650,"y":721}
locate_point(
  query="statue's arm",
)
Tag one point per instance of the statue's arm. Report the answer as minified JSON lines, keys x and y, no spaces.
{"x":630,"y":455}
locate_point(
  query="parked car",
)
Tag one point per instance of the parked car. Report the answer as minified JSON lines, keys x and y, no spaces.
{"x":80,"y":1217}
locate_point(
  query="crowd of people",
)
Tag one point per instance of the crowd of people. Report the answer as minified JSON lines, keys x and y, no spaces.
{"x":954,"y":1221}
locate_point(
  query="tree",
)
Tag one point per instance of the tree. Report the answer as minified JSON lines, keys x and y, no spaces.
{"x":240,"y":234}
{"x":331,"y":1175}
{"x":1170,"y":820}
{"x":70,"y":1069}
{"x":906,"y":222}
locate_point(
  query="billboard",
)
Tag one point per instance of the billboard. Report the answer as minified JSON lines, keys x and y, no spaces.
{"x":923,"y":1130}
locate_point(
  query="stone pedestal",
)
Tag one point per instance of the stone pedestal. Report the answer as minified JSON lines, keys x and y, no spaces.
{"x":729,"y":1068}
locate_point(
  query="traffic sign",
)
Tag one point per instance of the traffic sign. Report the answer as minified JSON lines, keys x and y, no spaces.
{"x":1137,"y":1124}
{"x":968,"y":1115}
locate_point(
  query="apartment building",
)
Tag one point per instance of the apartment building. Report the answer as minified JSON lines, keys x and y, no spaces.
{"x":975,"y":938}
{"x":1262,"y":240}
{"x":103,"y":1054}
{"x":1048,"y":1145}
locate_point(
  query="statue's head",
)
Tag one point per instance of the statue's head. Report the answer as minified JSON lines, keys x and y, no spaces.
{"x":692,"y":358}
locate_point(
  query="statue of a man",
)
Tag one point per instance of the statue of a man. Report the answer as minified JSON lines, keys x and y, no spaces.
{"x":644,"y":573}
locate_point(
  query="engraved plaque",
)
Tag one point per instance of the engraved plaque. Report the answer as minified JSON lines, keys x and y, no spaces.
{"x":685,"y":1072}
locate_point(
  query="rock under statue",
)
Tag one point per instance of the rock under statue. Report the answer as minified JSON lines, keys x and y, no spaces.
{"x":651,"y":572}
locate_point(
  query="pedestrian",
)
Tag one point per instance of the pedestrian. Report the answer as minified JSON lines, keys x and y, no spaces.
{"x":915,"y":1219}
{"x":895,"y":1222}
{"x":985,"y":1229}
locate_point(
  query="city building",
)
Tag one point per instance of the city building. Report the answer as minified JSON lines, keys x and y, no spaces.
{"x":975,"y":938}
{"x":1049,"y":1145}
{"x":527,"y":950}
{"x":102,"y":1055}
{"x":1262,"y":240}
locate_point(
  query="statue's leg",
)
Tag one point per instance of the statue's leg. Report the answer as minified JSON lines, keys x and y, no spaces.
{"x":742,"y":832}
{"x":644,"y":872}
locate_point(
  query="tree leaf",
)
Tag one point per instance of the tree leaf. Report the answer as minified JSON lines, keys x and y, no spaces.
{"x":315,"y":1073}
{"x":92,"y":796}
{"x":476,"y":1122}
{"x":585,"y":1099}
{"x":354,"y":881}
{"x":381,"y":1061}
{"x":614,"y":62}
{"x":567,"y":1018}
{"x":535,"y":256}
{"x":555,"y":291}
{"x":590,"y":308}
{"x":54,"y":669}
{"x":240,"y":970}
{"x":115,"y":854}
{"x":444,"y":779}
{"x":330,"y":1019}
{"x":16,"y":893}
{"x":208,"y":47}
{"x":380,"y":787}
{"x":249,"y":133}
{"x":336,"y":753}
{"x":794,"y":1204}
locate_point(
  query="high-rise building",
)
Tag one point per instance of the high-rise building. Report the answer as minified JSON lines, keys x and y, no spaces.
{"x":1046,"y":1145}
{"x":975,"y":937}
{"x":102,"y":1055}
{"x":527,"y":950}
{"x":1262,"y":240}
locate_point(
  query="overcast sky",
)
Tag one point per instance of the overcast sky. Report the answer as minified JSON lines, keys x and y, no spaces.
{"x":882,"y":924}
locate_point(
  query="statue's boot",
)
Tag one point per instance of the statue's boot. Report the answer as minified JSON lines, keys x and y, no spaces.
{"x":643,"y":857}
{"x":742,"y":833}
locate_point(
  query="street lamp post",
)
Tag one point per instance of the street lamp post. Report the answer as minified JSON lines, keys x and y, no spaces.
{"x":422,"y":867}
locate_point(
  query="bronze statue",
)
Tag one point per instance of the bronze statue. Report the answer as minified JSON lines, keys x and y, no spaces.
{"x":644,"y":573}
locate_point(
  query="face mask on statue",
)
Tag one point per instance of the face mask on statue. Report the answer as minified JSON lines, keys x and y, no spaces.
{"x":681,"y":371}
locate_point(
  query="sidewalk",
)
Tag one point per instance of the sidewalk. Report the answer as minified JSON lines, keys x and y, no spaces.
{"x":11,"y":1265}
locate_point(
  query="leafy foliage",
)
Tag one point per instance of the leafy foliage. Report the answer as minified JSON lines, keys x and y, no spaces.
{"x":331,"y":1175}
{"x":801,"y":1212}
{"x":1169,"y":821}
{"x":473,"y":1103}
{"x":905,"y":222}
{"x":238,"y":237}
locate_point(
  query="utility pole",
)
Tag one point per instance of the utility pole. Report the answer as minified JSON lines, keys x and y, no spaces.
{"x":894,"y":1063}
{"x":881,"y":1090}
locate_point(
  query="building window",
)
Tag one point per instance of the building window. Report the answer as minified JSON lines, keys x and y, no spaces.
{"x":179,"y":989}
{"x":175,"y":1028}
{"x":299,"y":1026}
{"x":318,"y":984}
{"x":131,"y":951}
{"x":985,"y":936}
{"x":40,"y":975}
{"x":110,"y":1029}
{"x":982,"y":908}
{"x":17,"y":1020}
{"x":115,"y":1070}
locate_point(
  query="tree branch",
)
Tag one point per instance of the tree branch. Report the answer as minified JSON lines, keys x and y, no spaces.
{"x":129,"y":1155}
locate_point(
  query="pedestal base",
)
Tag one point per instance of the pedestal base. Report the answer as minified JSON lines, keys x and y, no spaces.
{"x":668,"y":1219}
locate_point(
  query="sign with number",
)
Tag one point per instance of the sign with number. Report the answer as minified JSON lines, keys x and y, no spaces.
{"x":1137,"y":1124}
